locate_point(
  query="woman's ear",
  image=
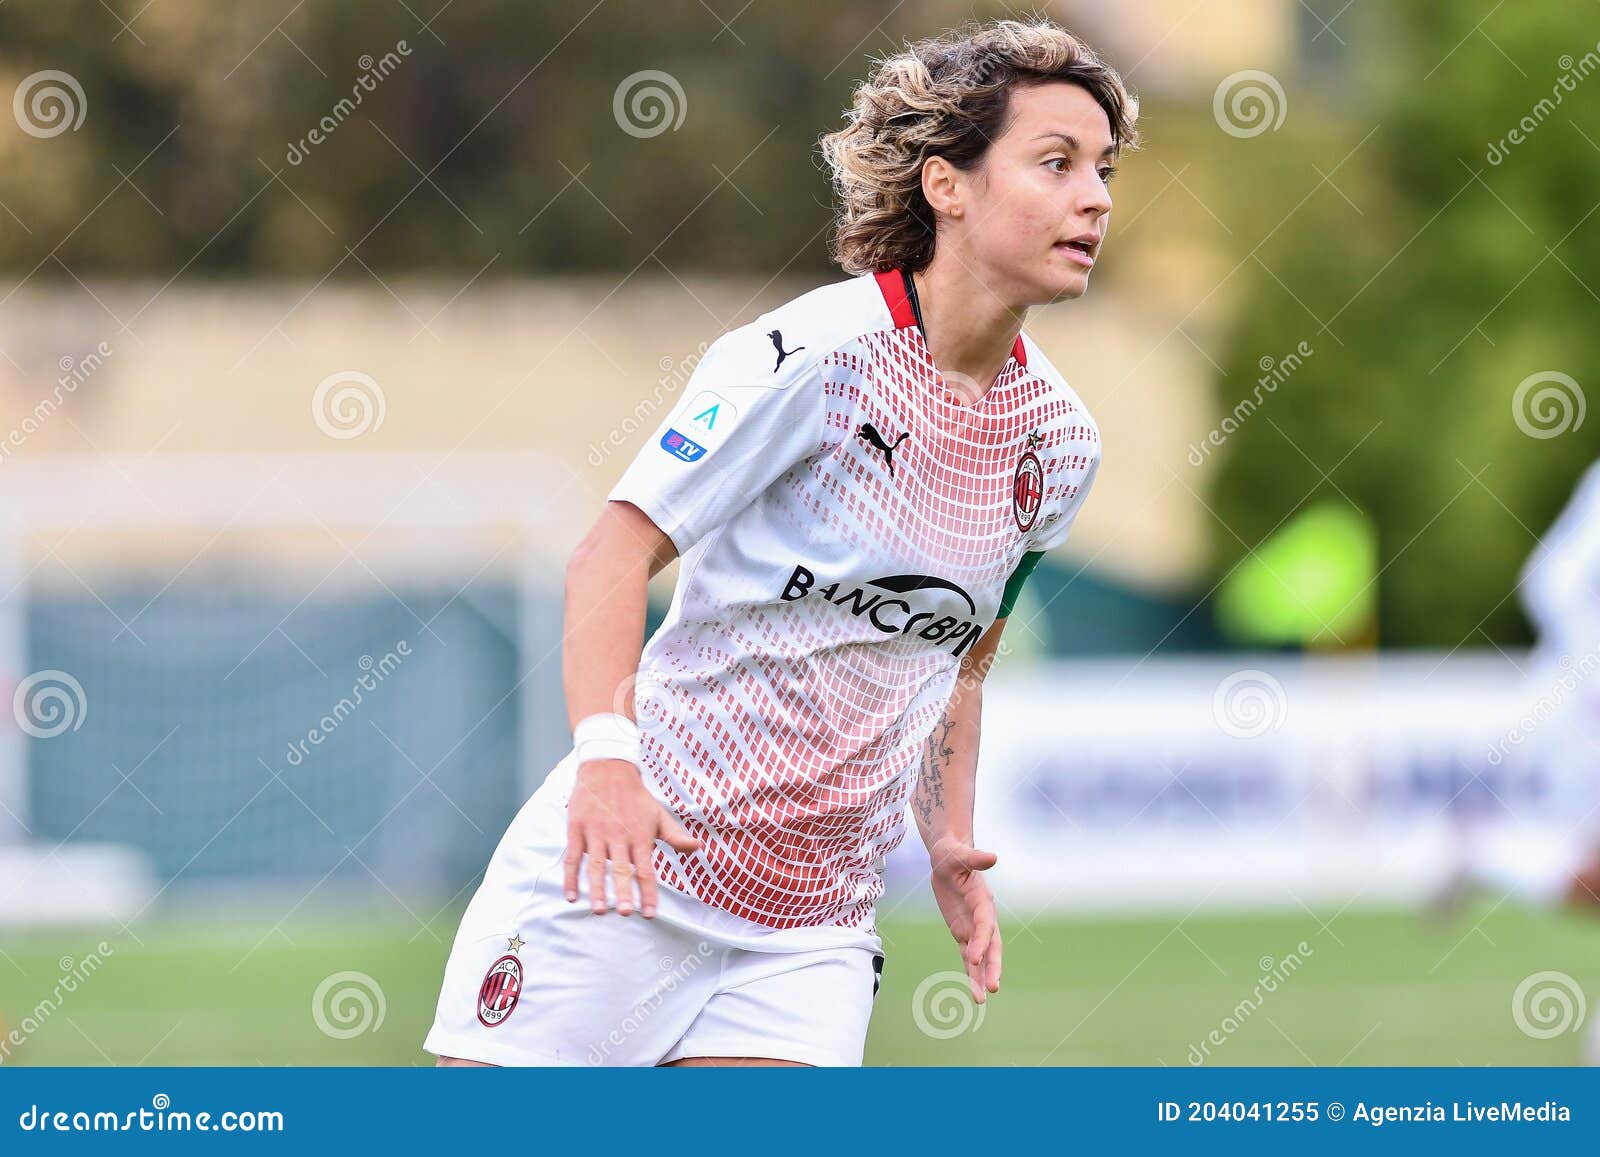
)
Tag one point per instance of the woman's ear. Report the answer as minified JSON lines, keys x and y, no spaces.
{"x":941,"y":185}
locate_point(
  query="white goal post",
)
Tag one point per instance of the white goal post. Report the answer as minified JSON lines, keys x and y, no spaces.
{"x":447,"y":514}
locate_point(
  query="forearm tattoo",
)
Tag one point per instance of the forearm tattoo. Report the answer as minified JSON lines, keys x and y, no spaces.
{"x":936,"y":754}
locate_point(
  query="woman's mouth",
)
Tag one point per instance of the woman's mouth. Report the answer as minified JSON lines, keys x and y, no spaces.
{"x":1079,"y":251}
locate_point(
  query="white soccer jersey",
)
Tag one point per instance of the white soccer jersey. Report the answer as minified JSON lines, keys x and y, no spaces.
{"x":1560,"y":587}
{"x":846,"y":524}
{"x":1560,"y":583}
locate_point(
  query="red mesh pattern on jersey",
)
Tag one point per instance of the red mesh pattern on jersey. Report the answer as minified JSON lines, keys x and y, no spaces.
{"x":795,"y":728}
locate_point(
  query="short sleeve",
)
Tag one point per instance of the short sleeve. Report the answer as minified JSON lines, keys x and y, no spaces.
{"x":745,"y":417}
{"x":1053,"y":531}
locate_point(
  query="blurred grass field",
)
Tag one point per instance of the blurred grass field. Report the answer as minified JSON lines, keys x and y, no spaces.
{"x":1376,"y":989}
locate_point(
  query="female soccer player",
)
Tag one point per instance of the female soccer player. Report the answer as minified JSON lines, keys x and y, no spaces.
{"x":856,"y":486}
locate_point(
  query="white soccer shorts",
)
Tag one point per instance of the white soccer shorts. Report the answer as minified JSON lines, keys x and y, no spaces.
{"x":534,"y":980}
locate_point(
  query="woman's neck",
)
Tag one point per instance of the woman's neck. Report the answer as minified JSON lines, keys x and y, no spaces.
{"x":969,"y":330}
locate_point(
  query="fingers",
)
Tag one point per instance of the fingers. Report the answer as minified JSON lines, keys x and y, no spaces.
{"x":645,"y":872}
{"x":974,"y":984}
{"x":973,"y":953}
{"x":991,"y":960}
{"x":952,"y":857}
{"x":597,"y":875}
{"x":570,"y":861}
{"x":977,"y":860}
{"x":621,"y":876}
{"x":581,"y":842}
{"x":676,"y":835}
{"x":622,"y":848}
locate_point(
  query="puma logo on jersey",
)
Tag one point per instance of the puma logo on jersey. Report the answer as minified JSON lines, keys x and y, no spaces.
{"x":875,"y":440}
{"x":777,"y":344}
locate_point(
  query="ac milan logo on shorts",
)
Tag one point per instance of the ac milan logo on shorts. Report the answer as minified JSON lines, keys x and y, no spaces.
{"x":498,"y":994}
{"x":1027,"y":490}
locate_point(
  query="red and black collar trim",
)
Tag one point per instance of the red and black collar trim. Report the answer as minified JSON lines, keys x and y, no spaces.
{"x":892,"y":283}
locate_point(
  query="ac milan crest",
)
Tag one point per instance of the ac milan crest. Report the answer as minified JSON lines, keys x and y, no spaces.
{"x":1027,"y":490}
{"x":498,"y":994}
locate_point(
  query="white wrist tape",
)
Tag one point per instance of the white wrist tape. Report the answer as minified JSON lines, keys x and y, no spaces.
{"x":606,"y":736}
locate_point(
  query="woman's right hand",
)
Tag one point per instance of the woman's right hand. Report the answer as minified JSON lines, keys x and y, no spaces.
{"x":613,"y":817}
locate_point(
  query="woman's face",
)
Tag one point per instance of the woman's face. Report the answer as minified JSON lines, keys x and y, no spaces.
{"x":1037,"y":207}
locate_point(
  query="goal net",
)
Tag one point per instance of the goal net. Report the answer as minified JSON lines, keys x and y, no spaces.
{"x":331,"y":667}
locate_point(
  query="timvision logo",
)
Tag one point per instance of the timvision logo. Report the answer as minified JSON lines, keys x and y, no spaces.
{"x":682,"y":446}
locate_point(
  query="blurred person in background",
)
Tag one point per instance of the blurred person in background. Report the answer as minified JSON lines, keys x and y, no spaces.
{"x":1561,"y":591}
{"x":1560,"y":587}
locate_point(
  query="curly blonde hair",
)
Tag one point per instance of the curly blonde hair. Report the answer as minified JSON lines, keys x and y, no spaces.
{"x":949,"y":97}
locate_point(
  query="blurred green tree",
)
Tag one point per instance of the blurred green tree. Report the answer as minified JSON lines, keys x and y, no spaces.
{"x":487,"y":128}
{"x":1442,"y":263}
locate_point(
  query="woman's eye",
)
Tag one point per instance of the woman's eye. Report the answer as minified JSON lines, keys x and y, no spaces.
{"x":1057,"y":161}
{"x":1106,"y":173}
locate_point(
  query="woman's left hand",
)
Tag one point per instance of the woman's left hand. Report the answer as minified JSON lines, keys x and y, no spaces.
{"x":968,"y":908}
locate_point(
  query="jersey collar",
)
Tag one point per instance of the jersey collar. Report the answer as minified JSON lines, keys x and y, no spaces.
{"x":892,"y":283}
